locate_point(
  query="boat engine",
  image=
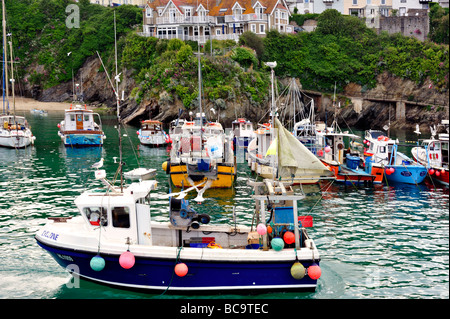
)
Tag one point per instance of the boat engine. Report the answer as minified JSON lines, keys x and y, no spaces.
{"x":181,"y":214}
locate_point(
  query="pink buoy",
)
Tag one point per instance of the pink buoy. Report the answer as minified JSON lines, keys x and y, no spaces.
{"x":365,"y":141}
{"x":319,"y":153}
{"x":127,"y":260}
{"x":327,"y":149}
{"x":437,"y":173}
{"x":314,"y":271}
{"x":431,"y":171}
{"x":261,"y":229}
{"x":181,"y":270}
{"x":392,"y":170}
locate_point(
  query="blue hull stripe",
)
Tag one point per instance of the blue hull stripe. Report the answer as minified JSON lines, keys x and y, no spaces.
{"x":158,"y":274}
{"x":81,"y":139}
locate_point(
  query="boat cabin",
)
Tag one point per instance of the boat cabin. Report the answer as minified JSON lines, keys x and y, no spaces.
{"x":13,"y":122}
{"x":79,"y":119}
{"x":242,"y":128}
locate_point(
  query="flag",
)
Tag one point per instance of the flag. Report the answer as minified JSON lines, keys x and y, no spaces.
{"x":272,"y":150}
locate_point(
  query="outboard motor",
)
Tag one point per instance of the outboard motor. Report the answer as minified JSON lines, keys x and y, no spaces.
{"x":181,"y":214}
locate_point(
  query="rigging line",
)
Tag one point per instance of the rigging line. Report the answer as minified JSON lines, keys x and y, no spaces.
{"x":331,"y":183}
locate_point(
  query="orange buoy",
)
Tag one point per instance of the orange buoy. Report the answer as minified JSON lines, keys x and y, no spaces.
{"x":181,"y":270}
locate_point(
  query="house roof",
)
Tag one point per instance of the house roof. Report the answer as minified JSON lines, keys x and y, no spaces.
{"x":224,"y":7}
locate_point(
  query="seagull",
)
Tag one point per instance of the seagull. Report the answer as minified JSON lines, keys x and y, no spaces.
{"x":417,"y":131}
{"x":98,"y":164}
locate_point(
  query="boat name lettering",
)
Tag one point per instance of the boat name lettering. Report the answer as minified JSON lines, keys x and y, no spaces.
{"x":50,"y":235}
{"x":64,"y":257}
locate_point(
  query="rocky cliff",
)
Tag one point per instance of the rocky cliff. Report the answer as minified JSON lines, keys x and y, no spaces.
{"x":365,"y":114}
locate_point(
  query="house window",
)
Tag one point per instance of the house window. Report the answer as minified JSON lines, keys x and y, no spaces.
{"x":369,"y":1}
{"x":259,"y":12}
{"x":172,"y":15}
{"x":383,"y":1}
{"x":253,"y":28}
{"x":217,"y":31}
{"x":148,"y":12}
{"x":159,"y":12}
{"x":355,"y":2}
{"x":262,"y":28}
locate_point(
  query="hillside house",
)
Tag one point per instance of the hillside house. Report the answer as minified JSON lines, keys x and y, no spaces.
{"x":204,"y":20}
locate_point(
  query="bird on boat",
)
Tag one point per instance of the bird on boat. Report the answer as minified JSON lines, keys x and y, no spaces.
{"x":98,"y":164}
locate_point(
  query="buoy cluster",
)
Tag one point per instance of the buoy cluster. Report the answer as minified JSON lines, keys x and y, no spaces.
{"x":126,"y":261}
{"x":298,"y":271}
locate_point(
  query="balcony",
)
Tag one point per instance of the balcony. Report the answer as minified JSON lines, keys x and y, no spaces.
{"x":184,"y":20}
{"x":245,"y":17}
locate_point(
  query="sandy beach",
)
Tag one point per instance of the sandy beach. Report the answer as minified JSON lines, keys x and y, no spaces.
{"x":27,"y":104}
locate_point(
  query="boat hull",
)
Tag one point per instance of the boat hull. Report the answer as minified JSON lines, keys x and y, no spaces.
{"x":157,"y":274}
{"x":407,"y":174}
{"x":15,"y":141}
{"x":82,"y":139}
{"x":352,"y":176}
{"x":179,"y":177}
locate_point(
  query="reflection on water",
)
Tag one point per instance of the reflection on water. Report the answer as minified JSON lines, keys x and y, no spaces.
{"x":379,"y":242}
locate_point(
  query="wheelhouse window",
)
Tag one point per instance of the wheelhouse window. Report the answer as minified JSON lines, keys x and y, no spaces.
{"x":96,"y":215}
{"x":121,"y":217}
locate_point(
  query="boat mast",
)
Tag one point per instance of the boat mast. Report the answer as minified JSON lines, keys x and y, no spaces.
{"x":118,"y":105}
{"x":5,"y":58}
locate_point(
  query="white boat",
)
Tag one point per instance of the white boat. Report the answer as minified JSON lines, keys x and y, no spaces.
{"x":15,"y":132}
{"x":140,"y":173}
{"x":243,"y":134}
{"x":79,"y":128}
{"x":151,"y":133}
{"x":433,"y":153}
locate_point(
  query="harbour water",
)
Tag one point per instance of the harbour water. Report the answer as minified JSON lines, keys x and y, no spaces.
{"x":375,"y":242}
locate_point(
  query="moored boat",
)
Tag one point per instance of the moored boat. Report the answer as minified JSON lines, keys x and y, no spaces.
{"x":79,"y":129}
{"x":151,"y":133}
{"x":15,"y":132}
{"x":433,"y":154}
{"x":398,"y":167}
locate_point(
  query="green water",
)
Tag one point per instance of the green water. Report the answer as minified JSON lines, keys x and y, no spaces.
{"x":380,"y":242}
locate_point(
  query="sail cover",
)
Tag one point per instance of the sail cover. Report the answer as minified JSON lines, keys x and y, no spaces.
{"x":294,"y":158}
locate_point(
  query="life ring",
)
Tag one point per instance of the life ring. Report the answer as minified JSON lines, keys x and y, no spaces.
{"x":214,"y":245}
{"x":431,"y":156}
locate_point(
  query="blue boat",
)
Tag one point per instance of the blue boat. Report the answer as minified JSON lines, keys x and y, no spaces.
{"x":79,"y":129}
{"x":115,"y":242}
{"x":398,"y":167}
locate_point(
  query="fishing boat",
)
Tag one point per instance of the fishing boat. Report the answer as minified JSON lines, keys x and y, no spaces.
{"x":202,"y":156}
{"x":347,"y":164}
{"x":151,"y":133}
{"x":175,"y":128}
{"x":79,"y":129}
{"x":140,"y":173}
{"x":243,"y":133}
{"x":433,"y":154}
{"x":115,"y":241}
{"x":265,"y":152}
{"x":398,"y":167}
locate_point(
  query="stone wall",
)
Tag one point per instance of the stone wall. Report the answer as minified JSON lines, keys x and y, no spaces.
{"x":414,"y":24}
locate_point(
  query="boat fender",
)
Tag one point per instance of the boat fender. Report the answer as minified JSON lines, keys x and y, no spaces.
{"x":204,"y":218}
{"x":298,"y":271}
{"x":183,"y":213}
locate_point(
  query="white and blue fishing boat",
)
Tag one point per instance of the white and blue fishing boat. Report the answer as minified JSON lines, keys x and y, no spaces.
{"x":79,"y":129}
{"x":243,"y":133}
{"x":115,"y":241}
{"x":398,"y":167}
